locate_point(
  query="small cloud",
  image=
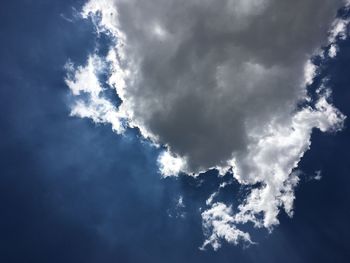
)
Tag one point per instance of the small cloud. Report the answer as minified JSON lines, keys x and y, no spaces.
{"x":318,"y":175}
{"x":178,"y":210}
{"x":170,"y":165}
{"x":70,"y":20}
{"x":219,"y":224}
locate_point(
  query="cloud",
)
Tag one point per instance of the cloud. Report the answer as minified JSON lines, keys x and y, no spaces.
{"x":338,"y":31}
{"x":318,"y":175}
{"x":219,"y":223}
{"x":85,"y":80}
{"x":170,"y":165}
{"x":177,"y":211}
{"x":218,"y":84}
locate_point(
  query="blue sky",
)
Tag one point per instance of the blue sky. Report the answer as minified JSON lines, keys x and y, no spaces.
{"x":74,"y":191}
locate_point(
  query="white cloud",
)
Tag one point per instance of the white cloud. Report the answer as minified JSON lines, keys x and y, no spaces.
{"x":84,"y":80}
{"x":170,"y":165}
{"x":210,"y":200}
{"x":271,"y":159}
{"x":218,"y":85}
{"x":333,"y":50}
{"x":219,"y":224}
{"x":178,"y":210}
{"x":310,"y":71}
{"x":339,"y":30}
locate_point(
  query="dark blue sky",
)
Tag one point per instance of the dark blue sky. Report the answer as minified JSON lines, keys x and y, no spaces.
{"x":74,"y":192}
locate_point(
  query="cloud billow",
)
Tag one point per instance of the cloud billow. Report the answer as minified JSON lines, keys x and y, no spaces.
{"x":218,"y":83}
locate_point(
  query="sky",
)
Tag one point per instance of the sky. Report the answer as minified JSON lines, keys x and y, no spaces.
{"x":131,"y":181}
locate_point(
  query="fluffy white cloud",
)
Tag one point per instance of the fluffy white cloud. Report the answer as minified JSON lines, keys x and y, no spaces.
{"x":218,"y":83}
{"x":170,"y":165}
{"x":270,"y":160}
{"x":85,"y":81}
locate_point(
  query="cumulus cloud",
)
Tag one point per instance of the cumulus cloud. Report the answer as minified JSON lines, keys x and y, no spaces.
{"x":218,"y":84}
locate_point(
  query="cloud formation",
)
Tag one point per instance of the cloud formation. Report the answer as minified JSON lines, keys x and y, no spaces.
{"x":218,"y":83}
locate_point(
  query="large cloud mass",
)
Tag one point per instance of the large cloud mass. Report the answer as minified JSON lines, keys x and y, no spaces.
{"x":218,"y":84}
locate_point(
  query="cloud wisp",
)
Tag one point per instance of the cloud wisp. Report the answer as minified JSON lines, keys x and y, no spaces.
{"x":219,"y":84}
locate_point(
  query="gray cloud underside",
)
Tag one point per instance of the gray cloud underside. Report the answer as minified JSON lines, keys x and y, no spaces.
{"x":219,"y":69}
{"x":217,"y":83}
